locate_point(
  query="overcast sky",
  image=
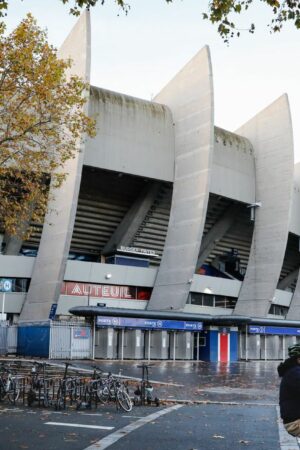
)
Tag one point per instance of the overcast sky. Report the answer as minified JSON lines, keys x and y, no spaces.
{"x":139,"y":53}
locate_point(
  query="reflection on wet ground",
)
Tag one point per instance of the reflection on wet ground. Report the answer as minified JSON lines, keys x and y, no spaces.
{"x":252,"y":381}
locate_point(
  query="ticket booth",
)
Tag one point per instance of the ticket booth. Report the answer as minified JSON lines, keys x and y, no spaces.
{"x":139,"y":338}
{"x":156,"y":344}
{"x":181,"y":345}
{"x":106,"y":343}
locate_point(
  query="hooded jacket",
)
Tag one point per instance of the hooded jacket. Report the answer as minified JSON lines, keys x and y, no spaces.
{"x":289,"y":392}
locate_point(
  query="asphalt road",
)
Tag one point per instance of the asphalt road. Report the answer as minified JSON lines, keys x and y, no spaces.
{"x":172,"y":427}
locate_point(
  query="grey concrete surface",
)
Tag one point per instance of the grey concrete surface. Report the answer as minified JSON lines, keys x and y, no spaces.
{"x":270,"y":133}
{"x":50,"y":263}
{"x":189,"y":95}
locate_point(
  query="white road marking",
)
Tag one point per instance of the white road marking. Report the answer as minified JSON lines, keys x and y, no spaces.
{"x":90,"y":414}
{"x":79,"y":425}
{"x":286,"y":441}
{"x":133,"y":417}
{"x":11,"y":410}
{"x":114,"y":437}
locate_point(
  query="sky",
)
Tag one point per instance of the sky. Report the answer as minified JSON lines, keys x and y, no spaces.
{"x":137,"y":54}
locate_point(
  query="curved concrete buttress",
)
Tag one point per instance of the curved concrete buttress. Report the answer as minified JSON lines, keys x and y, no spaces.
{"x":270,"y":133}
{"x":54,"y":247}
{"x":190,"y":98}
{"x":294,"y":309}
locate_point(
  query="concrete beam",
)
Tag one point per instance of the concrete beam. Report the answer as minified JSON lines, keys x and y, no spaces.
{"x":190,"y":98}
{"x":270,"y":132}
{"x":219,"y":229}
{"x":286,"y":281}
{"x":57,"y":232}
{"x":132,"y":220}
{"x":294,"y":309}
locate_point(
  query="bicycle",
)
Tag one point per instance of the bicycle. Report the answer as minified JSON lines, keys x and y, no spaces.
{"x":39,"y":385}
{"x":113,"y":389}
{"x":68,"y":388}
{"x":92,"y":390}
{"x":8,"y":385}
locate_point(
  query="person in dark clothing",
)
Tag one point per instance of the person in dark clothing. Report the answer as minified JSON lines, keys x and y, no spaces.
{"x":289,"y":392}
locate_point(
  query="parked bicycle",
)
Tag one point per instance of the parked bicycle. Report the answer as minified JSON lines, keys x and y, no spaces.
{"x":69,"y":388}
{"x":8,"y":385}
{"x":39,"y":386}
{"x":91,"y":391}
{"x":113,"y":389}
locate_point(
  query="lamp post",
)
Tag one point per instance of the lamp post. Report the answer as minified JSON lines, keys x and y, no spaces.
{"x":3,"y":305}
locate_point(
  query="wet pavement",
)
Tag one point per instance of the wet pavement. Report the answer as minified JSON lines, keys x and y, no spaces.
{"x":254,"y":382}
{"x":215,"y":406}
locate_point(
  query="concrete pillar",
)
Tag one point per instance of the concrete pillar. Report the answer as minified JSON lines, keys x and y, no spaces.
{"x":190,"y":97}
{"x":270,"y":132}
{"x":55,"y":242}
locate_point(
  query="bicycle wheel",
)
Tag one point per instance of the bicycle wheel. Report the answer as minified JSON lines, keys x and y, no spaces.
{"x":124,"y":400}
{"x":13,"y":393}
{"x":60,"y":402}
{"x":103,"y":393}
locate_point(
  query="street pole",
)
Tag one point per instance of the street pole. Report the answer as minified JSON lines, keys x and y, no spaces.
{"x":3,"y":305}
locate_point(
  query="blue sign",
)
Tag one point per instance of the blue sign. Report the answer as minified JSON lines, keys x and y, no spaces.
{"x":52,"y":312}
{"x":149,"y":324}
{"x":256,"y":329}
{"x":5,"y":285}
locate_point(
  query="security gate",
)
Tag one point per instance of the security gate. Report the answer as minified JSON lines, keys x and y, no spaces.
{"x":70,"y":341}
{"x":3,"y":339}
{"x":8,"y":338}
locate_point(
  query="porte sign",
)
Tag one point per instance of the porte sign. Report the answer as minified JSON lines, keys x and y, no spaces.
{"x":150,"y":324}
{"x":256,"y":329}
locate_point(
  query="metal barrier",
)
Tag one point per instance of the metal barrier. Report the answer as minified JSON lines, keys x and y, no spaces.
{"x":3,"y":338}
{"x":70,"y":341}
{"x":8,"y":338}
{"x":12,"y":339}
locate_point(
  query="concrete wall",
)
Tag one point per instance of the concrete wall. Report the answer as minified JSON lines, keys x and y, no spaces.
{"x":12,"y":302}
{"x":133,"y":136}
{"x":57,"y":231}
{"x":87,"y":272}
{"x":16,"y":266}
{"x":190,"y":97}
{"x":233,"y":170}
{"x":217,"y":286}
{"x":270,"y":132}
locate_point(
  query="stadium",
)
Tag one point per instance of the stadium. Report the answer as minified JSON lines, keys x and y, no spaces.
{"x":171,"y":238}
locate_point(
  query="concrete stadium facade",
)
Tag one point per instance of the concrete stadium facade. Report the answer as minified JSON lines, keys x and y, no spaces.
{"x":194,"y":219}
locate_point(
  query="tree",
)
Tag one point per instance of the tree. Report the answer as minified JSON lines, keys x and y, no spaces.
{"x":41,"y":121}
{"x":219,"y":12}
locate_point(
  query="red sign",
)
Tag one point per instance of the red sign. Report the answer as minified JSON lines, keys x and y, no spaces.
{"x":105,"y":291}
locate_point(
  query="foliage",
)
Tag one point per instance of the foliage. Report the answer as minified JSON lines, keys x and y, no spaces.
{"x":219,"y":12}
{"x":41,"y":122}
